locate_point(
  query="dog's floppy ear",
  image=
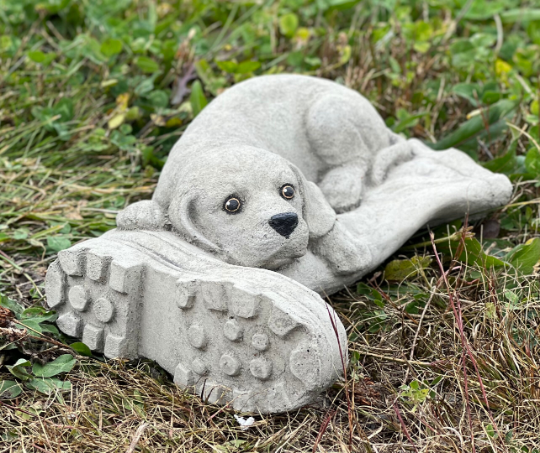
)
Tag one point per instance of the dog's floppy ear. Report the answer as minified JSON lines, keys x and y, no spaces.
{"x":180,"y":215}
{"x":143,"y":215}
{"x":317,"y":212}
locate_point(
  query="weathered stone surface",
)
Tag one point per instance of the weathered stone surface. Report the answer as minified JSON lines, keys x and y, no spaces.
{"x":244,"y":342}
{"x":78,"y":298}
{"x":284,"y":185}
{"x":258,"y":177}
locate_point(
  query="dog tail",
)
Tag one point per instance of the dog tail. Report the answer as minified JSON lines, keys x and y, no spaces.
{"x":143,"y":215}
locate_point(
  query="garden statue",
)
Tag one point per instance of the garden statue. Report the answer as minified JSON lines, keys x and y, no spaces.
{"x":283,"y":188}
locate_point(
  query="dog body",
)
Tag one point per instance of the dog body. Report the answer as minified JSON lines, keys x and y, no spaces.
{"x":330,"y":132}
{"x":258,"y":176}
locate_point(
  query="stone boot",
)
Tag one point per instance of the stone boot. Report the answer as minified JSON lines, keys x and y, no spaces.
{"x":251,"y":338}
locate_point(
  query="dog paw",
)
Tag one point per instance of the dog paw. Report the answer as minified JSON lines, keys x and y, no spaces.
{"x":396,"y":154}
{"x":343,"y":252}
{"x":342,"y":188}
{"x":143,"y":215}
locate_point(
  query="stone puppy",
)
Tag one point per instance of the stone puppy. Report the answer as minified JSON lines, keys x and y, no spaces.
{"x":264,"y":216}
{"x":223,"y":185}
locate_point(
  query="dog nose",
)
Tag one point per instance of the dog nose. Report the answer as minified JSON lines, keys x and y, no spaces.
{"x":284,"y":223}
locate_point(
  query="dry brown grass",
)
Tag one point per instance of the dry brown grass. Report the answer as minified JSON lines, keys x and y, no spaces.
{"x":474,"y":352}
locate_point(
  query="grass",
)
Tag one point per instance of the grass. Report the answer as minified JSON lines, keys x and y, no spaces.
{"x":444,"y":346}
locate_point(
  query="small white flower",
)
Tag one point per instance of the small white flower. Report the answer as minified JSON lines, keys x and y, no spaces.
{"x":244,"y":424}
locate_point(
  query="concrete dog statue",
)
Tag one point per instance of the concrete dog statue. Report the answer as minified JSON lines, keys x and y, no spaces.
{"x":284,"y":185}
{"x":257,"y":185}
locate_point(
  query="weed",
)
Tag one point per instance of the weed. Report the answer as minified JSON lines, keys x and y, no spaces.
{"x":444,"y":338}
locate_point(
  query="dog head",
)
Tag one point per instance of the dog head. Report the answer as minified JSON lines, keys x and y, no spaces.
{"x":248,"y":206}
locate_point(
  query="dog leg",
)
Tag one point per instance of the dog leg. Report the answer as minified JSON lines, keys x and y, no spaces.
{"x":333,"y":129}
{"x":142,"y":215}
{"x":343,"y":187}
{"x":401,"y":151}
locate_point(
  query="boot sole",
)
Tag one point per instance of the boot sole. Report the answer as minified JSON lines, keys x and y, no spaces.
{"x":232,"y":340}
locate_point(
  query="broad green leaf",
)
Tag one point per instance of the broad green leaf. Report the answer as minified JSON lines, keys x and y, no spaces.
{"x":314,"y":62}
{"x":19,"y":369}
{"x":533,"y":30}
{"x":116,"y":121}
{"x":340,"y":5}
{"x":422,"y":46}
{"x":476,"y":124}
{"x":288,"y":24}
{"x":483,"y":9}
{"x":295,"y":59}
{"x":21,"y":233}
{"x":535,"y":110}
{"x":472,"y":253}
{"x":158,"y":98}
{"x":525,"y":256}
{"x":9,"y":389}
{"x":32,"y":318}
{"x":247,"y":66}
{"x":58,"y":243}
{"x":111,"y":46}
{"x":31,"y":324}
{"x":146,"y":64}
{"x":39,"y":314}
{"x":235,"y":445}
{"x":419,"y":32}
{"x":197,"y":98}
{"x":491,"y":432}
{"x":482,"y":40}
{"x":48,"y":386}
{"x":406,"y":121}
{"x":62,"y":364}
{"x":134,"y":113}
{"x":345,"y":55}
{"x":490,"y":97}
{"x":227,"y":65}
{"x":37,"y":56}
{"x":520,"y":15}
{"x":82,"y":349}
{"x":50,"y":329}
{"x":212,"y":82}
{"x":146,"y":86}
{"x":126,"y":129}
{"x":507,"y":163}
{"x":415,"y":393}
{"x":124,"y":142}
{"x":6,"y":42}
{"x":10,"y":304}
{"x":511,"y":297}
{"x":52,"y":6}
{"x":371,"y":293}
{"x":64,"y":108}
{"x":532,"y":161}
{"x":399,"y":270}
{"x":396,"y":68}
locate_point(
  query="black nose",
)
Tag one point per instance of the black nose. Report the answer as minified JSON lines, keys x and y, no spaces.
{"x":284,"y":223}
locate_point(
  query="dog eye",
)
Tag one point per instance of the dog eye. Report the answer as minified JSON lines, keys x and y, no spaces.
{"x":232,"y":205}
{"x":287,"y":192}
